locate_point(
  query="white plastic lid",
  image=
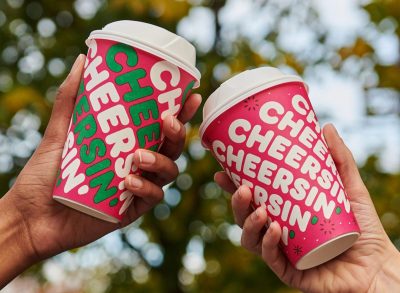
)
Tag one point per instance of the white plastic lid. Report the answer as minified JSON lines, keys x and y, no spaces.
{"x":153,"y":39}
{"x":238,"y":88}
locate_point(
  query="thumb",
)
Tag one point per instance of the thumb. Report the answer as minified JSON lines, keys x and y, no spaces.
{"x":357,"y":192}
{"x":64,"y":104}
{"x":345,"y":164}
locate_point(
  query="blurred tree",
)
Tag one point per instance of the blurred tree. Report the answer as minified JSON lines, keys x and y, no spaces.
{"x":189,"y":242}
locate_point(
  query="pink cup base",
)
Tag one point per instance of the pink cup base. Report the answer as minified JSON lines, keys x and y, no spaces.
{"x":327,"y":251}
{"x":85,"y":209}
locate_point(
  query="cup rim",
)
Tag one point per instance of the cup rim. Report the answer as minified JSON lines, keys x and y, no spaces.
{"x":85,"y":209}
{"x":237,"y":98}
{"x":305,"y":263}
{"x":148,"y":47}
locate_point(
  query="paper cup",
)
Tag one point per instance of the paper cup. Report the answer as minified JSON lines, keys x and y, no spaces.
{"x":135,"y":74}
{"x":261,"y":128}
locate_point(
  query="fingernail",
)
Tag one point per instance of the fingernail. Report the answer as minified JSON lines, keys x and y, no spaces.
{"x":256,"y":214}
{"x":239,"y":193}
{"x":335,"y":130}
{"x":269,"y":230}
{"x":146,"y":157}
{"x":135,"y":182}
{"x":175,"y":125}
{"x":76,"y":63}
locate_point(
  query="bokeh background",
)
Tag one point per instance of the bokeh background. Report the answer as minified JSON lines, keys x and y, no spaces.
{"x":346,"y":50}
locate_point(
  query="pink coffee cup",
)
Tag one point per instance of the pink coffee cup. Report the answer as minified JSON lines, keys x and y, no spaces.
{"x":262,"y":129}
{"x":135,"y":75}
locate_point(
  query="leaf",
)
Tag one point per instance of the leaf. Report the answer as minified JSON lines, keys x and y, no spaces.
{"x":291,"y":61}
{"x":360,"y":48}
{"x":24,"y":97}
{"x":389,"y":76}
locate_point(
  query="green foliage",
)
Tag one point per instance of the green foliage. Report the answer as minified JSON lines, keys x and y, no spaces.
{"x":204,"y":210}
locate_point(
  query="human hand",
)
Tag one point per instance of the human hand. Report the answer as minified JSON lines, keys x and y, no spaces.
{"x":47,"y":227}
{"x":370,"y":265}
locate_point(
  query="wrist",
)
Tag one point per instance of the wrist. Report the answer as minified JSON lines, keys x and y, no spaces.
{"x":388,"y":278}
{"x":16,"y":253}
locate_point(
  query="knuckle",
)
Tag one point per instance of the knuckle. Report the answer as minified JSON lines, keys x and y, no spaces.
{"x":182,"y":131}
{"x":264,"y":244}
{"x":168,"y":169}
{"x":54,"y":137}
{"x":179,"y":148}
{"x":175,"y":170}
{"x":146,"y":188}
{"x":158,"y":194}
{"x":171,"y":167}
{"x":60,"y":91}
{"x":175,"y":156}
{"x":151,"y":189}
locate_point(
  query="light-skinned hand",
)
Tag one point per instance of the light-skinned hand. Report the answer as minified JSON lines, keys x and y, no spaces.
{"x":370,"y":265}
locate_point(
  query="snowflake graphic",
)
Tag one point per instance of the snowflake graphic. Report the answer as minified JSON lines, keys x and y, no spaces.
{"x":327,"y":226}
{"x":251,"y":103}
{"x":298,"y":250}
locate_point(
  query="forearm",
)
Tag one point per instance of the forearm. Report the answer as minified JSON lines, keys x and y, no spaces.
{"x":14,"y":257}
